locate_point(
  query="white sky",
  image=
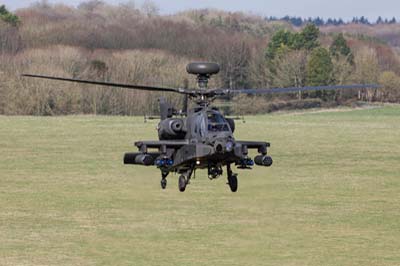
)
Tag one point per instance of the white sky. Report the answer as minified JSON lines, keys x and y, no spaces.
{"x":305,"y":8}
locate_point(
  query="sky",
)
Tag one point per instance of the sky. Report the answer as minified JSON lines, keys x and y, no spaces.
{"x":345,"y":9}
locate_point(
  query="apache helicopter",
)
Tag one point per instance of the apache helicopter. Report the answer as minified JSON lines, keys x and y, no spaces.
{"x":200,"y":137}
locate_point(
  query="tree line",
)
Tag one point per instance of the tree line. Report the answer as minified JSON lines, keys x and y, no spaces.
{"x":318,"y":21}
{"x":123,"y":43}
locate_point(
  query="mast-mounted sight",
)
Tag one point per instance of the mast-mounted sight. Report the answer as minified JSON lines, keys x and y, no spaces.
{"x":203,"y":71}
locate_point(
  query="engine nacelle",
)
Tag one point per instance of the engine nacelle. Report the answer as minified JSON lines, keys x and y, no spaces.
{"x":172,"y":128}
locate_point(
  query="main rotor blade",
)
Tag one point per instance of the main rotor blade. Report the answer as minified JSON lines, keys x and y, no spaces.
{"x":109,"y":84}
{"x":295,"y":89}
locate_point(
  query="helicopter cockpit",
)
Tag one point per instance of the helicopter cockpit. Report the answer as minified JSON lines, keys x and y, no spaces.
{"x":210,"y":122}
{"x":217,"y":123}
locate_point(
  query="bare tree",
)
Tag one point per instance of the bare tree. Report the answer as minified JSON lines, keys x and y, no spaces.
{"x":367,"y":71}
{"x":129,"y":4}
{"x":233,"y":54}
{"x":150,"y":8}
{"x":342,"y":69}
{"x":42,"y":4}
{"x":291,"y":69}
{"x":91,"y":5}
{"x":260,"y":75}
{"x":391,"y":86}
{"x":10,"y":39}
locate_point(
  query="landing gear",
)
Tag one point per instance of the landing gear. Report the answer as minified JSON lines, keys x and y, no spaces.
{"x":232,"y":179}
{"x":184,"y":180}
{"x":233,"y":182}
{"x":214,"y":171}
{"x":164,"y":180}
{"x":182,"y":183}
{"x":163,"y":183}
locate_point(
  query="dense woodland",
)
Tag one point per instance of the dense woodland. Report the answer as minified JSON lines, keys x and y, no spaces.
{"x":130,"y":44}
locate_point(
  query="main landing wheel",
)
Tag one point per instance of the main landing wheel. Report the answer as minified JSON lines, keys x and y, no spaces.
{"x":182,"y":183}
{"x":233,"y":182}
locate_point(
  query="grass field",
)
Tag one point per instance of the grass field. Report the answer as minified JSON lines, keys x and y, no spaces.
{"x":332,"y":196}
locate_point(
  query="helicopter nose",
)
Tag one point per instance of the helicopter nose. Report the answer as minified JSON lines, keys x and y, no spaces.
{"x":219,"y":148}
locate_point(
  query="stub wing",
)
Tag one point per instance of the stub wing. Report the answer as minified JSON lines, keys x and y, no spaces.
{"x":144,"y":145}
{"x":154,"y":153}
{"x":259,"y":145}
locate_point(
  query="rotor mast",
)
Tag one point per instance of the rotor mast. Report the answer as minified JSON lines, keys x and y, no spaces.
{"x":202,"y":81}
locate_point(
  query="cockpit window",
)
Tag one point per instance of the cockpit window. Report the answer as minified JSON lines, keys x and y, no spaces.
{"x":218,"y":127}
{"x":200,"y":126}
{"x":216,"y":118}
{"x":217,"y":123}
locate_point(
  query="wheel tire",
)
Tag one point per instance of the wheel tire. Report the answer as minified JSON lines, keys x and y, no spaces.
{"x":164,"y":183}
{"x":233,"y":183}
{"x":182,"y":183}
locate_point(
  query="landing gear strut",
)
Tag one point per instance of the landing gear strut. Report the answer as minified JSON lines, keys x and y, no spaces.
{"x":232,"y":179}
{"x":184,"y":180}
{"x":182,"y":183}
{"x":164,"y":180}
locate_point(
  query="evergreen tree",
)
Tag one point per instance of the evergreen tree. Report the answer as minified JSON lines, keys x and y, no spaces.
{"x":339,"y":47}
{"x":364,"y":20}
{"x":8,"y":17}
{"x":318,"y":21}
{"x":342,"y":59}
{"x":310,"y":34}
{"x":297,"y":21}
{"x":280,"y":38}
{"x":306,"y":39}
{"x":319,"y":68}
{"x":297,"y":41}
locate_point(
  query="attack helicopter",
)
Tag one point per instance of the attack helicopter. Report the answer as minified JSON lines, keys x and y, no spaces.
{"x":200,"y":137}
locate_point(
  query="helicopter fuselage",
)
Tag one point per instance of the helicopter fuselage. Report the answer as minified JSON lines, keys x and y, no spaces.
{"x":202,"y":140}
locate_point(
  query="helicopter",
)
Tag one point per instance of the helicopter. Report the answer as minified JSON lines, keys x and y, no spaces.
{"x":200,"y":137}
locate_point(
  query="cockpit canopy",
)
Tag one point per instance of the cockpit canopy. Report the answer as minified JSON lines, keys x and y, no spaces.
{"x":217,"y":123}
{"x":210,"y":122}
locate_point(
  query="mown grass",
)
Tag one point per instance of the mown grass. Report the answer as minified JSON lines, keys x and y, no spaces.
{"x":332,"y":196}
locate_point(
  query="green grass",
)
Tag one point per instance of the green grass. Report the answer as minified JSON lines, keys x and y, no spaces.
{"x":332,"y":196}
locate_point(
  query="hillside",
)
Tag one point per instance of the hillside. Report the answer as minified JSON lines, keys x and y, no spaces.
{"x":125,"y":44}
{"x":389,"y":33}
